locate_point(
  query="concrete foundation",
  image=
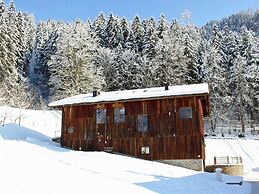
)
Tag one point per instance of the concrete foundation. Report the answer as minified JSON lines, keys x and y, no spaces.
{"x":193,"y":164}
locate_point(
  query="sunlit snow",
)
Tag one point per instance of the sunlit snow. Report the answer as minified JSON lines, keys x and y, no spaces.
{"x":32,"y":163}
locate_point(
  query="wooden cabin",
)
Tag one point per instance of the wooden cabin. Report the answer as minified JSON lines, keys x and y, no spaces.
{"x":163,"y":123}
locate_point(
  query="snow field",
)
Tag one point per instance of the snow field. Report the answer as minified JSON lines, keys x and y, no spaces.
{"x":246,"y":148}
{"x":44,"y":167}
{"x":43,"y":121}
{"x":31,"y":163}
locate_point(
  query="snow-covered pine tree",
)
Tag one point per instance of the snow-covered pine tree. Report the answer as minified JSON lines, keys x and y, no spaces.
{"x":71,"y":68}
{"x":216,"y":78}
{"x":2,"y":7}
{"x":14,"y":47}
{"x":103,"y":61}
{"x":230,"y":47}
{"x":162,"y":28}
{"x":168,"y":63}
{"x":136,"y":35}
{"x":113,"y":68}
{"x":8,"y":53}
{"x":249,"y":47}
{"x":150,"y":40}
{"x":112,"y":32}
{"x":99,"y":29}
{"x":190,"y":54}
{"x":26,"y":35}
{"x":125,"y":71}
{"x":125,"y":32}
{"x":241,"y":98}
{"x":134,"y":73}
{"x":202,"y":48}
{"x":47,"y":34}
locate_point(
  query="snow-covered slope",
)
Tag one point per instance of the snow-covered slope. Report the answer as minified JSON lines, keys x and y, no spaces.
{"x":31,"y":163}
{"x":36,"y":165}
{"x":246,"y":148}
{"x":43,"y":121}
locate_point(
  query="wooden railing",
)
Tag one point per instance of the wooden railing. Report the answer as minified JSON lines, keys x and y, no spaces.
{"x":227,"y":160}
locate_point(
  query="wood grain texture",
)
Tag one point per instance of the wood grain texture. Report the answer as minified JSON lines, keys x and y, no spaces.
{"x":168,"y":136}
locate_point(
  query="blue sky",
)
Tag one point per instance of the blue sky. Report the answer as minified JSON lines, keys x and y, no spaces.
{"x":68,"y":10}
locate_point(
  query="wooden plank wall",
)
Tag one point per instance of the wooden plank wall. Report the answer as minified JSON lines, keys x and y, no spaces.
{"x":168,"y":137}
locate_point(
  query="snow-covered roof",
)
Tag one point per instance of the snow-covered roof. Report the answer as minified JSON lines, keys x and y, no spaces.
{"x":133,"y":94}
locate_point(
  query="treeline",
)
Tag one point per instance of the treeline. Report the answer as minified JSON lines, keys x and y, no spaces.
{"x":60,"y":59}
{"x":236,"y":22}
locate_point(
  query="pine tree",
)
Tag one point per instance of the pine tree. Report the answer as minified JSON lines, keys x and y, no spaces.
{"x":150,"y":40}
{"x":217,"y":79}
{"x":99,"y":29}
{"x":241,"y":95}
{"x":133,"y":70}
{"x":169,"y":67}
{"x":162,"y":27}
{"x":125,"y":32}
{"x":103,"y":61}
{"x":231,"y":51}
{"x":202,"y":47}
{"x":47,"y":34}
{"x":2,"y":7}
{"x":112,"y":32}
{"x":8,"y":50}
{"x":71,"y":68}
{"x":249,"y":51}
{"x":113,"y":69}
{"x":190,"y":54}
{"x":136,"y":35}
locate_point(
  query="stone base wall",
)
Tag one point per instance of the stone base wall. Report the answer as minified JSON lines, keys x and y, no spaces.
{"x":193,"y":164}
{"x":236,"y":170}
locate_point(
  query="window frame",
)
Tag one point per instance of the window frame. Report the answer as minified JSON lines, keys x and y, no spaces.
{"x":142,"y":123}
{"x":145,"y":150}
{"x":185,"y":113}
{"x":102,"y":113}
{"x":121,"y":116}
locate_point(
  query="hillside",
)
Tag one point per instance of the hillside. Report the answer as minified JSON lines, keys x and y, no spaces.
{"x":51,"y":60}
{"x":48,"y":123}
{"x":44,"y":125}
{"x":235,"y":22}
{"x":31,"y":163}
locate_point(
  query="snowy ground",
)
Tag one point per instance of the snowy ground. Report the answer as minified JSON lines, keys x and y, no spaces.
{"x":46,"y":122}
{"x":246,"y":148}
{"x":31,"y":163}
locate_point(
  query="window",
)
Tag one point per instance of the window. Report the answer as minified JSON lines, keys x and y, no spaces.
{"x":119,"y":115}
{"x":144,"y":150}
{"x":142,"y":123}
{"x":185,"y":113}
{"x":100,"y":116}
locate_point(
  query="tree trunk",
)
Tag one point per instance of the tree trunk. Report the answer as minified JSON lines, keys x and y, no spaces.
{"x":241,"y":113}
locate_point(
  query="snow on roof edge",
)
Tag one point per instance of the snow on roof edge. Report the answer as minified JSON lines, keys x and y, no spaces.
{"x":145,"y":93}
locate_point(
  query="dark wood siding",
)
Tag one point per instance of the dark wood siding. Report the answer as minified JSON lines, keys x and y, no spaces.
{"x":168,"y":136}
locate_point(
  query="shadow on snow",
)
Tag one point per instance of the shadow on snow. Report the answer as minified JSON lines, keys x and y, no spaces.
{"x":12,"y":131}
